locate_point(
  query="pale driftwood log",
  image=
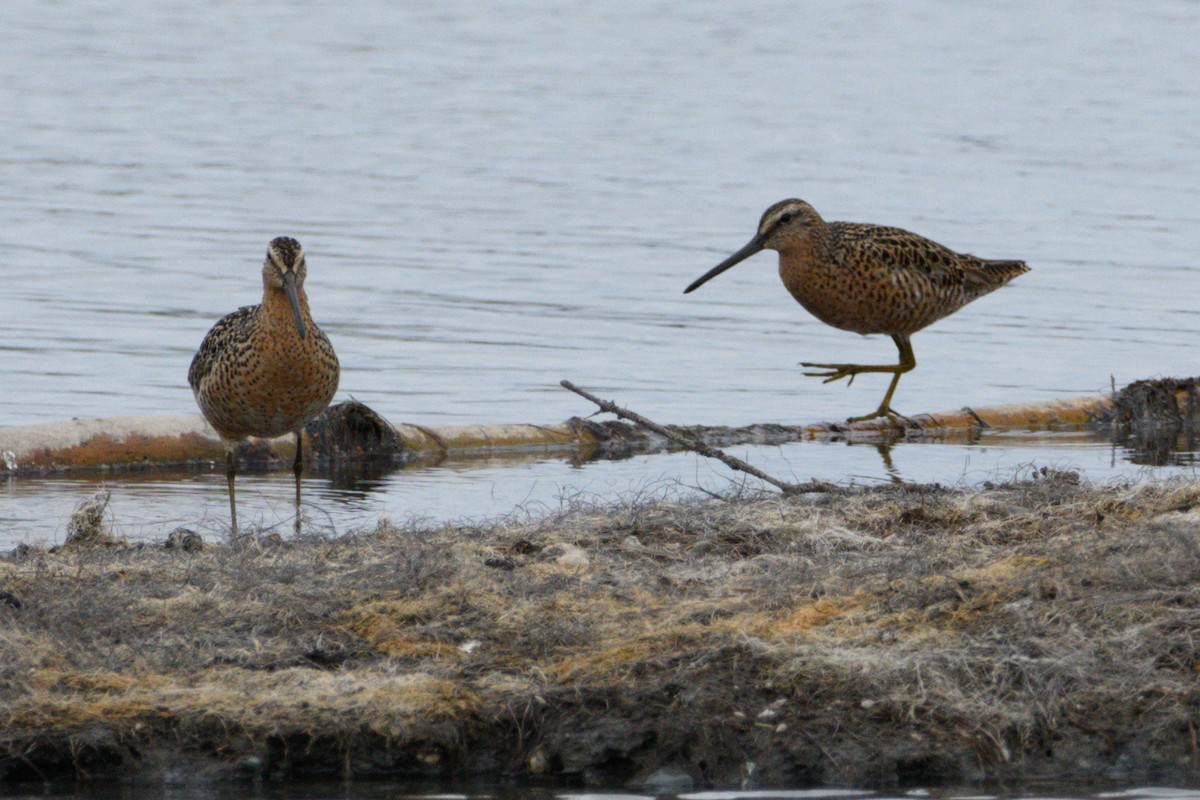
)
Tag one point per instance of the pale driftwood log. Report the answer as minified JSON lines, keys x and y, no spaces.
{"x":186,"y":440}
{"x":695,"y":445}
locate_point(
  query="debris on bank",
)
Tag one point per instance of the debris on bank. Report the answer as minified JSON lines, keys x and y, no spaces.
{"x":875,"y":637}
{"x":1158,"y":420}
{"x":1173,"y":402}
{"x":88,"y":524}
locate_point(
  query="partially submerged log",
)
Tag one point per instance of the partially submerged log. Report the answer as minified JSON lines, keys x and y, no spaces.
{"x":348,"y":432}
{"x":120,"y":442}
{"x":351,"y":433}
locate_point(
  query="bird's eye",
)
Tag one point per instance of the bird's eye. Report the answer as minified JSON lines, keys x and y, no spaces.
{"x":786,"y":217}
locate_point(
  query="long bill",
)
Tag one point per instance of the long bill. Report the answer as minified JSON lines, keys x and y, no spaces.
{"x":289,"y":286}
{"x":752,"y":247}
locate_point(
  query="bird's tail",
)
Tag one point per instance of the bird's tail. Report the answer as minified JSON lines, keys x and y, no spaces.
{"x":1005,"y":271}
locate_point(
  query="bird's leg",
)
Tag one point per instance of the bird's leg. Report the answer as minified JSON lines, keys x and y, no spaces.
{"x":838,"y":371}
{"x":297,"y":468}
{"x":907,"y":362}
{"x":230,"y":473}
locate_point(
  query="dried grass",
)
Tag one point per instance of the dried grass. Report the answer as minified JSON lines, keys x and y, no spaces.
{"x":858,"y":636}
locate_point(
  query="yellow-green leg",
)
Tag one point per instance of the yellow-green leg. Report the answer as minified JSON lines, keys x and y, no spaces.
{"x":838,"y":371}
{"x":230,"y":474}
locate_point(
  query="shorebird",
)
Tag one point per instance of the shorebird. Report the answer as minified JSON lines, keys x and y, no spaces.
{"x":868,"y":279}
{"x":266,"y":370}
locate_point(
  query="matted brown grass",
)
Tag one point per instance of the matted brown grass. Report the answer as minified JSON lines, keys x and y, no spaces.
{"x":872,"y":636}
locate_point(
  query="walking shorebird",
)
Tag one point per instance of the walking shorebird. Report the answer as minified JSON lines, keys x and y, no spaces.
{"x":868,"y":279}
{"x":266,"y":370}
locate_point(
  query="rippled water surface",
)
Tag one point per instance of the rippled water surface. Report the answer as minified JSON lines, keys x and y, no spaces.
{"x":494,"y":197}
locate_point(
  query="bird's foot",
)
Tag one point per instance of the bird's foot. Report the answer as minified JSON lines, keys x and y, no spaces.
{"x":889,"y":412}
{"x":835,"y":372}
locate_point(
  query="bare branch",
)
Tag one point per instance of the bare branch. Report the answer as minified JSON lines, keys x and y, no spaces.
{"x":695,"y":445}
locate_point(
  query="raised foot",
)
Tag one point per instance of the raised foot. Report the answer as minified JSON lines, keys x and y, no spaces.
{"x":835,"y":372}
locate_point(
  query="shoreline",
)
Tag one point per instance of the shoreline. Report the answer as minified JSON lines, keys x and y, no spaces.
{"x":875,"y":637}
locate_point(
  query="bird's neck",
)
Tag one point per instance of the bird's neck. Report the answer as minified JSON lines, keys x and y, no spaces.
{"x":799,"y":258}
{"x":278,"y":309}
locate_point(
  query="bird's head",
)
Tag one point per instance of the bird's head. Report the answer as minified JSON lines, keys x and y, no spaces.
{"x":284,"y":270}
{"x":786,"y":224}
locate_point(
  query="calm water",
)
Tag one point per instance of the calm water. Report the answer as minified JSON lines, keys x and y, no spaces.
{"x":148,"y":507}
{"x":496,"y":197}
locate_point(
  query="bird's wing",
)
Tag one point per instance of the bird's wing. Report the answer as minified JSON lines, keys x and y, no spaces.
{"x":216,"y":340}
{"x":907,"y":251}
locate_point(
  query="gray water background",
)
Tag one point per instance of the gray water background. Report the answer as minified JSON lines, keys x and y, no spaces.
{"x":494,"y":197}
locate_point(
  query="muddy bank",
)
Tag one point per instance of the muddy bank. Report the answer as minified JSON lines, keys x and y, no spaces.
{"x":876,"y":637}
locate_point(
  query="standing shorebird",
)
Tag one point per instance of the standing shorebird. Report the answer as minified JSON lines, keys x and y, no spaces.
{"x":266,"y":370}
{"x":868,"y":279}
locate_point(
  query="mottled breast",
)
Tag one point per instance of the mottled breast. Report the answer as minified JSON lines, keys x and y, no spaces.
{"x":249,"y":381}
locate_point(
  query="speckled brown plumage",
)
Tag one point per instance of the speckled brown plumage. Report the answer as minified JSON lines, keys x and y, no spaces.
{"x":868,"y":279}
{"x":266,"y":370}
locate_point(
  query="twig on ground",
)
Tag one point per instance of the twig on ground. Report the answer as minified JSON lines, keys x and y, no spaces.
{"x":695,"y":445}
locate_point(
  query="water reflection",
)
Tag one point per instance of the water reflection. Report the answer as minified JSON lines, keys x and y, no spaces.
{"x":1171,"y":446}
{"x":885,"y":452}
{"x":151,"y":505}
